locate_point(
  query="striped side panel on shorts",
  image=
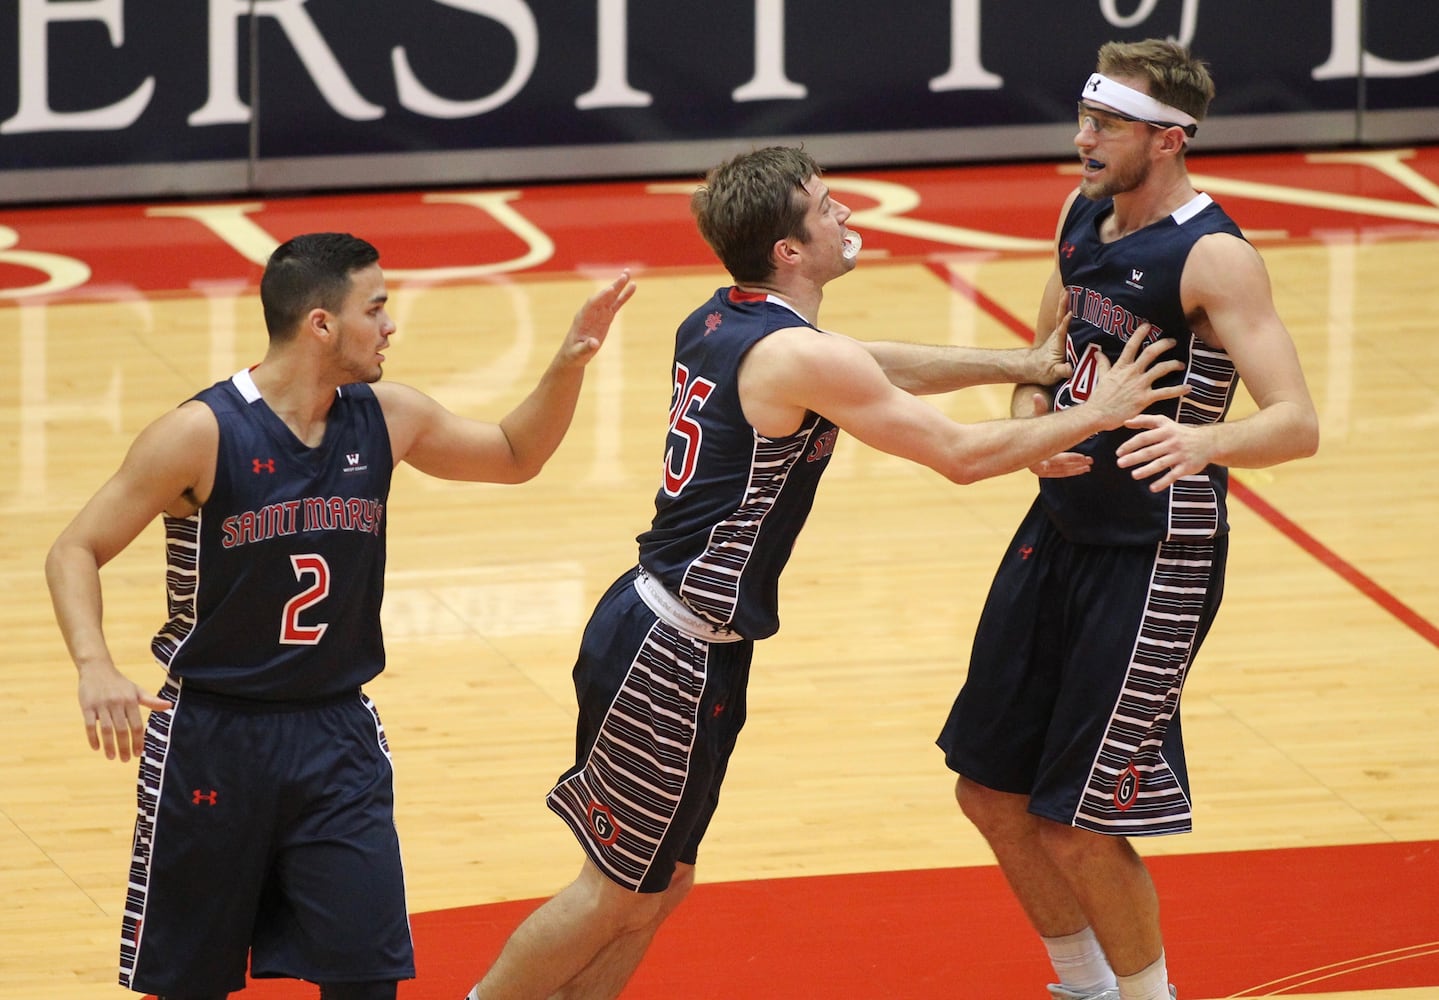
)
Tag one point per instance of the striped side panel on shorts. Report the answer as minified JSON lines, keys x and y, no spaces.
{"x":621,"y":804}
{"x":147,"y":805}
{"x":1131,"y":789}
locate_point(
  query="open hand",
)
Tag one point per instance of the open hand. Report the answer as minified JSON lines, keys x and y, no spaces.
{"x":1127,"y":388}
{"x":1163,"y":448}
{"x":592,"y":323}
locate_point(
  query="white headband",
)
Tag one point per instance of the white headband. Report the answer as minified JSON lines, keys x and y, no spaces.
{"x":1102,"y":90}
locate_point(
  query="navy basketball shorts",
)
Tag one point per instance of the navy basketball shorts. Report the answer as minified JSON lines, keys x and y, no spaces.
{"x":659,"y":714}
{"x":264,"y":831}
{"x":1079,"y":659}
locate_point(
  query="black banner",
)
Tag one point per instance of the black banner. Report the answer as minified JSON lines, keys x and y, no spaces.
{"x":276,"y":94}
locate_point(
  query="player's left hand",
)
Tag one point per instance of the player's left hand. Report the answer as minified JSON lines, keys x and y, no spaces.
{"x":592,"y":323}
{"x":1164,"y":449}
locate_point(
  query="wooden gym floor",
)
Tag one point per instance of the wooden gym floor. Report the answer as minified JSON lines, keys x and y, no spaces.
{"x":838,"y":861}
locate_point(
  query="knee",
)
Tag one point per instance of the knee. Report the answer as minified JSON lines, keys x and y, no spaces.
{"x":1071,"y":847}
{"x":994,"y":814}
{"x":618,"y":906}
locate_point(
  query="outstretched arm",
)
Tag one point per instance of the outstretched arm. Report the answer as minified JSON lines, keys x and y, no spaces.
{"x":799,"y":369}
{"x":170,"y":463}
{"x":443,"y":444}
{"x":924,"y":369}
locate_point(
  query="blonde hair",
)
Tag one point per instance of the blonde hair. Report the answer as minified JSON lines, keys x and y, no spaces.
{"x":1173,"y":75}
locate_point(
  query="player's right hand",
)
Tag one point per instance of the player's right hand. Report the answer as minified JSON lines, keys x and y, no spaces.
{"x":1127,"y":388}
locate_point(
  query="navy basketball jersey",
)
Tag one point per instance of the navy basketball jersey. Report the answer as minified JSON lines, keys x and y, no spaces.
{"x":274,"y":585}
{"x":1112,"y":288}
{"x":732,"y":501}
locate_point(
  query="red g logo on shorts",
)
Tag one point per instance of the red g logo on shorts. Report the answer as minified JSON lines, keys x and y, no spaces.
{"x":1127,"y":790}
{"x":603,"y":825}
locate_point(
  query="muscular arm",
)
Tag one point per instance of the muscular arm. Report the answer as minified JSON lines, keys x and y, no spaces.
{"x":443,"y":444}
{"x":923,"y":369}
{"x":1226,"y":287}
{"x":795,"y":370}
{"x":170,"y":464}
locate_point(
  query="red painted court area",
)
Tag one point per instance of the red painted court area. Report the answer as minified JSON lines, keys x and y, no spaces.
{"x":544,"y":229}
{"x":1248,"y":924}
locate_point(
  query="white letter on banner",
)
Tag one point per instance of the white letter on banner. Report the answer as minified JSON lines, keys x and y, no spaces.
{"x":612,"y":86}
{"x":965,"y":71}
{"x":515,"y":16}
{"x":33,"y":113}
{"x":769,"y":81}
{"x":224,"y":106}
{"x":1190,"y":15}
{"x":1345,"y":58}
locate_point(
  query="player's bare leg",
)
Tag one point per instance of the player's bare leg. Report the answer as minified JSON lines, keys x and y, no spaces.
{"x":558,"y":942}
{"x":607,"y":974}
{"x":1013,"y":834}
{"x":1114,"y":890}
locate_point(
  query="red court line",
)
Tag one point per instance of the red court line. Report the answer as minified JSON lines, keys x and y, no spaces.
{"x":1416,"y":622}
{"x":1425,"y":629}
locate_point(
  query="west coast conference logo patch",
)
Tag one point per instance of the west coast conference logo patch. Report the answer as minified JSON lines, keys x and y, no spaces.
{"x":1126,"y":790}
{"x":602,"y":824}
{"x":353,"y":462}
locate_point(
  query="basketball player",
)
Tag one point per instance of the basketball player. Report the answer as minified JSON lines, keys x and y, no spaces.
{"x":760,"y":393}
{"x":265,"y":809}
{"x":1066,"y":732}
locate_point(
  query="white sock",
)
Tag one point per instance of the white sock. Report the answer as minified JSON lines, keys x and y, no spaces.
{"x":1079,"y":962}
{"x":1149,"y":983}
{"x":474,"y":994}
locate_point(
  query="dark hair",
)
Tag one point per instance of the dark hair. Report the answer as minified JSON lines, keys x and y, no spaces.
{"x":1174,"y":76}
{"x":751,"y":202}
{"x":309,"y":272}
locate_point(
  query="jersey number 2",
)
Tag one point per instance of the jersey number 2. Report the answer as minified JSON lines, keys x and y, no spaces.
{"x":316,"y":571}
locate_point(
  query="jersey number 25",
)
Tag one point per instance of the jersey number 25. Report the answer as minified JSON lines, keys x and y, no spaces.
{"x":689,"y":398}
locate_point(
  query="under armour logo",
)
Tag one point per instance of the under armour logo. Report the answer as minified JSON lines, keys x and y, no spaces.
{"x":1094,"y":82}
{"x":712,"y":323}
{"x":718,"y":710}
{"x":199,"y":798}
{"x":1067,"y":249}
{"x":1025,"y":551}
{"x":268,"y":465}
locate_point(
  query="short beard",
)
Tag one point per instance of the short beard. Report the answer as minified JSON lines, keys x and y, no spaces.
{"x":1112,"y":183}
